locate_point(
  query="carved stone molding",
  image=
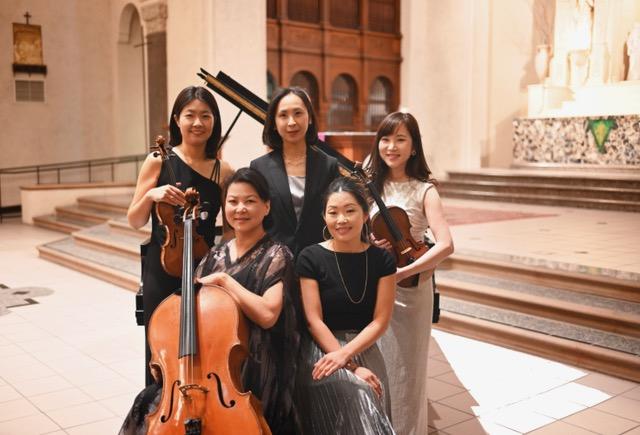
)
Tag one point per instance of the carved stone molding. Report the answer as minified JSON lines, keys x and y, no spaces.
{"x":155,"y":16}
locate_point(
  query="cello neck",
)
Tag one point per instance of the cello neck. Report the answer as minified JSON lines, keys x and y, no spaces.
{"x":188,"y":333}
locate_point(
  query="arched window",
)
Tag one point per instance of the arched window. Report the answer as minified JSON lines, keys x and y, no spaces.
{"x":345,"y":13}
{"x":304,"y":10}
{"x":379,"y":104}
{"x":271,"y":85}
{"x":308,"y":82}
{"x":343,"y":103}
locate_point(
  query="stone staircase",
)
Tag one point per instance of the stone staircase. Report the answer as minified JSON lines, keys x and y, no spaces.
{"x":569,"y":189}
{"x":99,"y":242}
{"x":590,"y":321}
{"x":587,"y":320}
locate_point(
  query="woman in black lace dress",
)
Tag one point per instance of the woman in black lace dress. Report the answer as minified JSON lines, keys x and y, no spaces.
{"x":259,"y":274}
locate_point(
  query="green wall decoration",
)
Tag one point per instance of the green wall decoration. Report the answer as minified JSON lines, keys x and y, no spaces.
{"x":600,"y":128}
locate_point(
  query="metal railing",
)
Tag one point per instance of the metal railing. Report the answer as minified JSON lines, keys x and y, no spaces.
{"x":59,"y":168}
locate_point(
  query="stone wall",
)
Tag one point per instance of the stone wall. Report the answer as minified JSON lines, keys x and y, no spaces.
{"x":570,"y":141}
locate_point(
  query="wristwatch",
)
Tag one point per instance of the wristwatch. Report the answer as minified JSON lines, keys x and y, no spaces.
{"x":351,"y":365}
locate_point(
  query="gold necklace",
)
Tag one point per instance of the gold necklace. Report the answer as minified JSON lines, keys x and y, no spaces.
{"x":366,"y":275}
{"x":295,"y":160}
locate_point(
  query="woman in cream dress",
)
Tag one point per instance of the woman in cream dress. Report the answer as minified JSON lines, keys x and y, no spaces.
{"x":401,"y":174}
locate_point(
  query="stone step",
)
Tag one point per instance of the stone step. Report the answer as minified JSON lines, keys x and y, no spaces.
{"x":595,"y":312}
{"x":553,"y":200}
{"x":629,"y":180}
{"x":60,"y":223}
{"x":603,"y":283}
{"x":121,"y":225}
{"x":546,"y":338}
{"x":115,"y":203}
{"x":104,"y":238}
{"x":546,"y":189}
{"x":121,"y":270}
{"x":87,"y":214}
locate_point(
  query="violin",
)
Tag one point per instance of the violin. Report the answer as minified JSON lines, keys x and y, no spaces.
{"x":169,"y":217}
{"x":199,"y":367}
{"x":392,"y":223}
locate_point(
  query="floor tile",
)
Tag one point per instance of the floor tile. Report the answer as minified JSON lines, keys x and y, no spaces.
{"x":560,"y":428}
{"x":105,"y":427}
{"x":480,"y":426}
{"x":519,"y":419}
{"x":60,"y":399}
{"x":31,"y":425}
{"x":622,"y":407}
{"x":15,"y":409}
{"x":633,"y":393}
{"x":437,"y":390}
{"x":464,"y":402}
{"x":34,"y":387}
{"x":600,"y":422}
{"x":607,"y":384}
{"x":441,"y":416}
{"x":80,"y":414}
{"x":8,"y":393}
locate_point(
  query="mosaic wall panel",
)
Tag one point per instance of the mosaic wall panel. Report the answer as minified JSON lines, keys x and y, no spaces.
{"x":571,"y":141}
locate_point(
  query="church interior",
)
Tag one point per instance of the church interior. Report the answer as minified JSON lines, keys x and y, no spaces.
{"x":530,"y":120}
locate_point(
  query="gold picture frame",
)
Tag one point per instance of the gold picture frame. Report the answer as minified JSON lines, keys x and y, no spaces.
{"x":27,"y":44}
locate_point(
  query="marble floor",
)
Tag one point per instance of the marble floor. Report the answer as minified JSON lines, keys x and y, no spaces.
{"x":71,"y":355}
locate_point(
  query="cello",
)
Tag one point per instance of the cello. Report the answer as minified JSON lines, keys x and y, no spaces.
{"x":200,"y":365}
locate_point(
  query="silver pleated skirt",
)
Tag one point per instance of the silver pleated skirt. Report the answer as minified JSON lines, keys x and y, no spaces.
{"x":342,"y":404}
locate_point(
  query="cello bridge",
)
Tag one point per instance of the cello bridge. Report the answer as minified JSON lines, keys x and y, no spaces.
{"x":184,"y":389}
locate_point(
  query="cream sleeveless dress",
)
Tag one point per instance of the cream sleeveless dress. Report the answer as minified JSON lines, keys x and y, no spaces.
{"x":405,"y":345}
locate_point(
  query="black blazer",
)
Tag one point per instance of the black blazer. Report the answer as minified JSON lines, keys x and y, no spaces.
{"x":282,"y":224}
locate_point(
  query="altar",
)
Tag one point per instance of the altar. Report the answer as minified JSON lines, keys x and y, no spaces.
{"x":586,"y":109}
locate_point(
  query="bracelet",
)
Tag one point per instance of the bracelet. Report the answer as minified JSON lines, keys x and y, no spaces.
{"x":351,"y":366}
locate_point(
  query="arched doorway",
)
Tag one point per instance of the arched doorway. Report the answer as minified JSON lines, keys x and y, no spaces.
{"x":131,"y":111}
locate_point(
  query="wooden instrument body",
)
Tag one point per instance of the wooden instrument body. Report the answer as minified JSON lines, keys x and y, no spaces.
{"x":222,"y":342}
{"x":406,"y":250}
{"x":172,"y":248}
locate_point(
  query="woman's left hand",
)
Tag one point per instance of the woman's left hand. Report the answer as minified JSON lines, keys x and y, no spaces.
{"x":328,"y":364}
{"x":217,"y":278}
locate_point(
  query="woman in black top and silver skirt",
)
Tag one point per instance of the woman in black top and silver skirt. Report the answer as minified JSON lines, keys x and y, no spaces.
{"x":348,"y":289}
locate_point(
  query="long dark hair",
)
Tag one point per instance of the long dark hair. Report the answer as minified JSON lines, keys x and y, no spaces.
{"x":416,"y":167}
{"x":186,"y":96}
{"x":356,"y":189}
{"x":270,"y":135}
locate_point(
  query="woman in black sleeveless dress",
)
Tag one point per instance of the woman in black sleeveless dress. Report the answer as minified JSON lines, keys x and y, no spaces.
{"x":195,"y":130}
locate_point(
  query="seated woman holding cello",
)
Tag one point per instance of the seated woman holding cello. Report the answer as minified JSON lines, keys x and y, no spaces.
{"x":258,"y":274}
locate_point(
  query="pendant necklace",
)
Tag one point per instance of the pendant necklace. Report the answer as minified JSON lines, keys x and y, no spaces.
{"x":366,"y":276}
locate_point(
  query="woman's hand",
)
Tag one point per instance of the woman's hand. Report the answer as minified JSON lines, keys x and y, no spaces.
{"x":381,"y":243}
{"x":370,"y":378}
{"x":217,"y":278}
{"x":167,"y":193}
{"x":329,"y":363}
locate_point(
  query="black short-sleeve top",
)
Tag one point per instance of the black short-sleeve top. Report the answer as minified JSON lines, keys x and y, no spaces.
{"x":349,"y":308}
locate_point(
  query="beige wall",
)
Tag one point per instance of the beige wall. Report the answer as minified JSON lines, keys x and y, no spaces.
{"x":466,"y":64}
{"x":222,"y":35}
{"x":75,"y":121}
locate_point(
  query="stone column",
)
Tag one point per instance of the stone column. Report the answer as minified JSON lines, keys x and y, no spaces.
{"x":154,"y":16}
{"x":599,"y":58}
{"x":559,"y":67}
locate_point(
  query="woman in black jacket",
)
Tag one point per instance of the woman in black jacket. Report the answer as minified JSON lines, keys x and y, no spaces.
{"x":297,"y":174}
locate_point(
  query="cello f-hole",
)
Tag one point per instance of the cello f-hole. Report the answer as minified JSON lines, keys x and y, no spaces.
{"x":165,"y":418}
{"x":232,"y":402}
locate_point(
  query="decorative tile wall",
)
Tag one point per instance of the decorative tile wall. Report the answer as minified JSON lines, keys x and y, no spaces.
{"x":570,"y":141}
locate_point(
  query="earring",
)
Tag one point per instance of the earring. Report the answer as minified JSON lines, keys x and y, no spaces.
{"x":324,"y":235}
{"x":413,"y":153}
{"x":364,"y":233}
